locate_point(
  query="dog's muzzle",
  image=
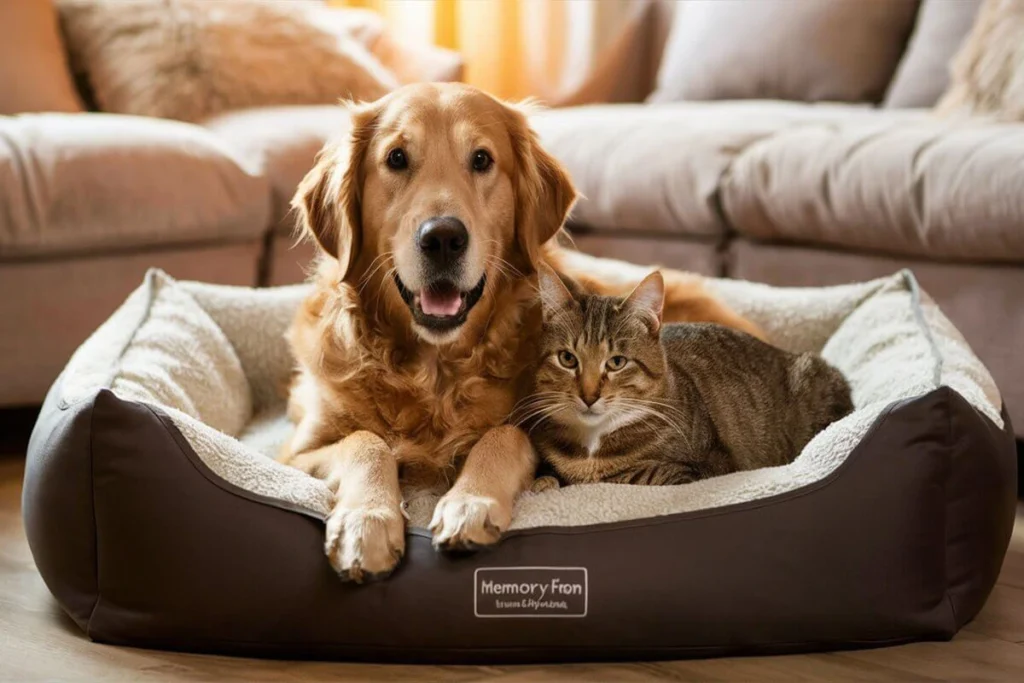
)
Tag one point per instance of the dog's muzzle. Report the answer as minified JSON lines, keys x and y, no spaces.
{"x":441,"y":306}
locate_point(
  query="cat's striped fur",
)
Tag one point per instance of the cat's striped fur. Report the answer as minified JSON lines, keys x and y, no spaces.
{"x":620,"y":398}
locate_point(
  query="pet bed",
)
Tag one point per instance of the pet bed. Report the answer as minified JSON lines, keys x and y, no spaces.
{"x":158,"y":518}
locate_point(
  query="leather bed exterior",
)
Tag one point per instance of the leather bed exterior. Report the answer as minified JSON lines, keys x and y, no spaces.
{"x":902,"y":542}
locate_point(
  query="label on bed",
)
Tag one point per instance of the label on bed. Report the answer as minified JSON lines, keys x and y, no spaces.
{"x":530,"y":592}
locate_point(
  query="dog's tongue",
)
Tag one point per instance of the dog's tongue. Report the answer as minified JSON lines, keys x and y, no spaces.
{"x":445,"y":301}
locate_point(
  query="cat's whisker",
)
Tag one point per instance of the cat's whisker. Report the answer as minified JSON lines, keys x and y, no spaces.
{"x":547,"y":416}
{"x":661,"y":410}
{"x":539,"y":407}
{"x":656,"y":411}
{"x":532,"y":405}
{"x":535,"y":397}
{"x":537,"y":410}
{"x":668,"y":407}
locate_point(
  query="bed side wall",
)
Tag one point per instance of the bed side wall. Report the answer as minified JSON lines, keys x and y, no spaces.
{"x":981,"y":504}
{"x":57,"y":503}
{"x":857,"y":559}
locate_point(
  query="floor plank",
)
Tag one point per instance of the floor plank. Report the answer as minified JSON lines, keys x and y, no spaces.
{"x":38,"y":642}
{"x":1003,"y":616}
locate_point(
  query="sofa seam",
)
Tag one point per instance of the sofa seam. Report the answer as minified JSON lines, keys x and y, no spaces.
{"x":107,"y":251}
{"x":874,"y":252}
{"x":265,"y":261}
{"x":729,"y":231}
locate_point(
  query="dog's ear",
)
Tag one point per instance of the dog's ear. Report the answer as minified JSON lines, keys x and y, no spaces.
{"x":329,"y":197}
{"x":543,"y":189}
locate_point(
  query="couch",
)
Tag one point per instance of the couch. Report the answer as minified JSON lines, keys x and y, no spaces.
{"x":784,"y":192}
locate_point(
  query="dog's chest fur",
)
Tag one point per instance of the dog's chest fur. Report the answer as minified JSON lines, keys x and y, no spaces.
{"x":430,"y":405}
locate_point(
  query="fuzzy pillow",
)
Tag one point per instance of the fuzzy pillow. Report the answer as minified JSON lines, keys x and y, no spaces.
{"x":988,"y":71}
{"x":191,"y":59}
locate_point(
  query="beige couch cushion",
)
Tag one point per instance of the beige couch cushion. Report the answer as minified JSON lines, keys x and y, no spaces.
{"x":79,"y":183}
{"x":810,"y":50}
{"x":282,"y":142}
{"x":33,"y":72}
{"x":656,"y":168}
{"x":923,"y":73}
{"x":897,"y":185}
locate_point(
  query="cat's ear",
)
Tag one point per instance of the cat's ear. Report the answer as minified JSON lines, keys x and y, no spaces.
{"x":648,"y":300}
{"x":554,"y":295}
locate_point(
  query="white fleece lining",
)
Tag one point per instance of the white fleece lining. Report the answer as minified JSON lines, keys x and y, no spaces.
{"x":213,"y":358}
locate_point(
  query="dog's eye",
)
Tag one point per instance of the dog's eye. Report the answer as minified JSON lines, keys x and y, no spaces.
{"x":567,"y":360}
{"x":616,"y":363}
{"x":397,"y":161}
{"x":482,"y":161}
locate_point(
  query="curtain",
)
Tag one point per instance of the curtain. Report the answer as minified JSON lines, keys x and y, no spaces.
{"x":559,"y":51}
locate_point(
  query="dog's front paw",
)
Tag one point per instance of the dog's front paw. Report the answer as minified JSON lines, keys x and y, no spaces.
{"x":363,"y":544}
{"x":464,"y":521}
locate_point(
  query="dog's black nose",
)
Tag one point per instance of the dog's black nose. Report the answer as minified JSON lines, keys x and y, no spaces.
{"x":443,"y":239}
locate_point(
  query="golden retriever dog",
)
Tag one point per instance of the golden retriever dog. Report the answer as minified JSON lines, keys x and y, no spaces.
{"x":416,"y":342}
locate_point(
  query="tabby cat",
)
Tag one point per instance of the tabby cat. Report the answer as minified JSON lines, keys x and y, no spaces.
{"x":620,"y":398}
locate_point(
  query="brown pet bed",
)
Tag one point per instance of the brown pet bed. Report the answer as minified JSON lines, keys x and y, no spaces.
{"x":157,"y":518}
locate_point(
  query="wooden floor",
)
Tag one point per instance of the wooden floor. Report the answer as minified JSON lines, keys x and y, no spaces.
{"x":37,"y":642}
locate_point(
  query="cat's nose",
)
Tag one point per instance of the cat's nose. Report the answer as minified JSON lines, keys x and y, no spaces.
{"x":590,"y":400}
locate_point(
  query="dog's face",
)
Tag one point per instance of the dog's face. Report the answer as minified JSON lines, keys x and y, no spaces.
{"x":439,"y":192}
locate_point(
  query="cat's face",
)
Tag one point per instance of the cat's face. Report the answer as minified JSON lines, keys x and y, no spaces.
{"x":602,"y":361}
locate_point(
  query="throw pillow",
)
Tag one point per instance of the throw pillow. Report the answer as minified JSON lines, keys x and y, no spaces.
{"x":923,"y":73}
{"x":988,"y":72}
{"x":809,"y":50}
{"x":191,"y":59}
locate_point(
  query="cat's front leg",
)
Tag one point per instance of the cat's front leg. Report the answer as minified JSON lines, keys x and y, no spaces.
{"x":478,"y":508}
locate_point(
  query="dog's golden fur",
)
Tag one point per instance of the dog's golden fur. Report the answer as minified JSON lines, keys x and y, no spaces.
{"x":377,"y":397}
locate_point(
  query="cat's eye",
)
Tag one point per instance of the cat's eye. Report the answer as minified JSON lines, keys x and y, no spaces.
{"x":397,"y":159}
{"x":567,"y":360}
{"x":616,"y":363}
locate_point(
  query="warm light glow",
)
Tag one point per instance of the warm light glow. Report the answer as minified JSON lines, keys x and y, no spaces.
{"x":512,"y":48}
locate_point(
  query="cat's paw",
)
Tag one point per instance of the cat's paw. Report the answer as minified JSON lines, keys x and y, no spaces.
{"x":545,"y":483}
{"x":363,"y":544}
{"x":464,"y":521}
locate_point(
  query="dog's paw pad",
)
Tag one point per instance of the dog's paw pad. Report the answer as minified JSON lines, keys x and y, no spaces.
{"x":464,"y":522}
{"x":364,"y":544}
